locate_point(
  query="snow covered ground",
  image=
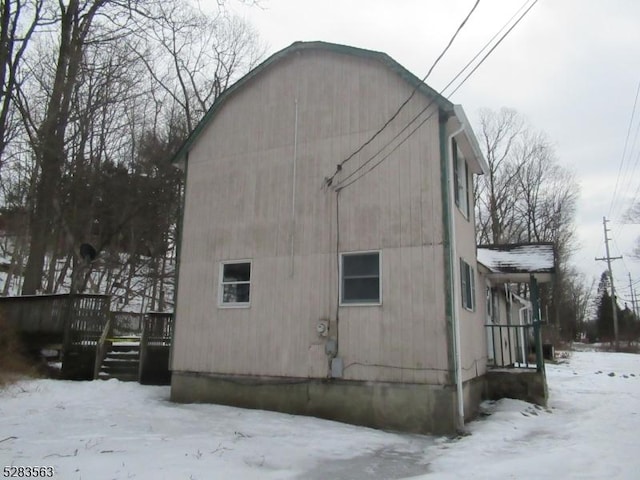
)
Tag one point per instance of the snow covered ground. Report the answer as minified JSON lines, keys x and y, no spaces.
{"x":113,"y":430}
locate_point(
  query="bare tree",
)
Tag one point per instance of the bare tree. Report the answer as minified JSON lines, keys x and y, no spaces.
{"x":501,"y":133}
{"x":76,"y":21}
{"x":192,"y":56}
{"x":105,"y":94}
{"x":633,"y":216}
{"x":528,"y":197}
{"x":19,"y":19}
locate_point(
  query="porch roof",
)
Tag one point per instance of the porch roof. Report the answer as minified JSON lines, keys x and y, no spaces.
{"x":515,"y":263}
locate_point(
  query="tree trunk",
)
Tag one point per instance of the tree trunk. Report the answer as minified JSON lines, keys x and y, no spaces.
{"x":50,"y":148}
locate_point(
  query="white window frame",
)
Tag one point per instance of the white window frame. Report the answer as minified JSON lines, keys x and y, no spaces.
{"x":467,"y":277}
{"x":341,"y":279}
{"x":461,"y":179}
{"x":221,"y":284}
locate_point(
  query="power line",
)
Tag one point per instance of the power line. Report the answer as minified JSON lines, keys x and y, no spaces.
{"x":413,"y":92}
{"x":635,"y":195}
{"x":342,"y":182}
{"x":345,"y":181}
{"x":494,"y":47}
{"x":624,"y":218}
{"x":624,"y":150}
{"x":620,"y":252}
{"x":428,"y":105}
{"x":626,"y":187}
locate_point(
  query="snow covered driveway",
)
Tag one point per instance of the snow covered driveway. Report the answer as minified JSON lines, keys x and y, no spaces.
{"x":113,"y":430}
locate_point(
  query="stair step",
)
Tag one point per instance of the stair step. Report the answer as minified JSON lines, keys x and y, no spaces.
{"x":119,"y":347}
{"x":127,"y":354}
{"x":122,"y":361}
{"x":122,"y":358}
{"x":123,"y":377}
{"x":119,"y":364}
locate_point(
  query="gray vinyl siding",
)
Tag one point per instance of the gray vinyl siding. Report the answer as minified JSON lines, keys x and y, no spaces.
{"x":239,"y":203}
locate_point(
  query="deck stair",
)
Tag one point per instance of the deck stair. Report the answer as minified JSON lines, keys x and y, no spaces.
{"x":122,"y":360}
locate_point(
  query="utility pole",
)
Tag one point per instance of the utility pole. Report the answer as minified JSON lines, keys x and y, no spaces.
{"x":614,"y":304}
{"x":633,"y":296}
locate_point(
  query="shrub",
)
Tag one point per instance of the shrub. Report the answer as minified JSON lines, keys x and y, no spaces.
{"x":14,"y":362}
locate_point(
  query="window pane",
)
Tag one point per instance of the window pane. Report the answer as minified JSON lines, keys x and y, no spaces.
{"x":357,"y":290}
{"x":466,"y":284}
{"x":361,"y":264}
{"x":236,"y":272}
{"x":236,"y":293}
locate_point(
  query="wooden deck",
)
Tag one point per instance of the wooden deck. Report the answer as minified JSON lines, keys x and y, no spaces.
{"x":84,"y":330}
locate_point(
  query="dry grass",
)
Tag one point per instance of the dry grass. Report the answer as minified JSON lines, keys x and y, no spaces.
{"x":14,"y":362}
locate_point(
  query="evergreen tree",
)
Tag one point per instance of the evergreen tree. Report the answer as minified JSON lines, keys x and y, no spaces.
{"x":604,"y":311}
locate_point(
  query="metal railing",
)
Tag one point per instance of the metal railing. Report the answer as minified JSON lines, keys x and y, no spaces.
{"x":512,"y":346}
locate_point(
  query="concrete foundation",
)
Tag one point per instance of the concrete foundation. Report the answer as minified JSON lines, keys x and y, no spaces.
{"x":394,"y":406}
{"x":527,"y":385}
{"x":474,"y":392}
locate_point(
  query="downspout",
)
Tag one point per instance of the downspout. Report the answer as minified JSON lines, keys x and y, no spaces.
{"x":521,"y":315}
{"x":451,"y":256}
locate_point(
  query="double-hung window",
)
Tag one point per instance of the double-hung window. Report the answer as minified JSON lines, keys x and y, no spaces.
{"x":460,"y":179}
{"x":467,"y":285}
{"x":360,"y":278}
{"x":235,"y":284}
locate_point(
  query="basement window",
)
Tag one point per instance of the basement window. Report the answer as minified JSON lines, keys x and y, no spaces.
{"x":360,"y":279}
{"x":467,"y":285}
{"x":235,"y":284}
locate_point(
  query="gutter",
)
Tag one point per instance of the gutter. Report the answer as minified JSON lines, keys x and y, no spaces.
{"x":473,"y":141}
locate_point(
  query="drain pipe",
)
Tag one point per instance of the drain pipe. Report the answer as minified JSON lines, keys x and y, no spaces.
{"x":455,"y":281}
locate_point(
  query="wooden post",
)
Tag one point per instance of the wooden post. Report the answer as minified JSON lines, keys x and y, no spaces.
{"x":144,"y":340}
{"x":535,"y":305}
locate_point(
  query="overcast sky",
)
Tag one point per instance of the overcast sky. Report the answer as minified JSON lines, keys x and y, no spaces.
{"x":571,"y":67}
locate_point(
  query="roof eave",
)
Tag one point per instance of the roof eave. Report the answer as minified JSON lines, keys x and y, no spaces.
{"x":461,"y":116}
{"x":519,"y":277}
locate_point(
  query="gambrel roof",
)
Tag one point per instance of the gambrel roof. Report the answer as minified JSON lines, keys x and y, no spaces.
{"x":447,"y":108}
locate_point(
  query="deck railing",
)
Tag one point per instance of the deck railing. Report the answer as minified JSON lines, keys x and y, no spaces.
{"x":157,"y":329}
{"x":77,"y":318}
{"x":86,"y":320}
{"x":127,"y":324}
{"x":512,"y":346}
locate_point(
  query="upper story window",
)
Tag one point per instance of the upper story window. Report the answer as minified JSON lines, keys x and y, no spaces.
{"x":360,"y":278}
{"x":460,"y":179}
{"x":235,"y":284}
{"x":467,"y":285}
